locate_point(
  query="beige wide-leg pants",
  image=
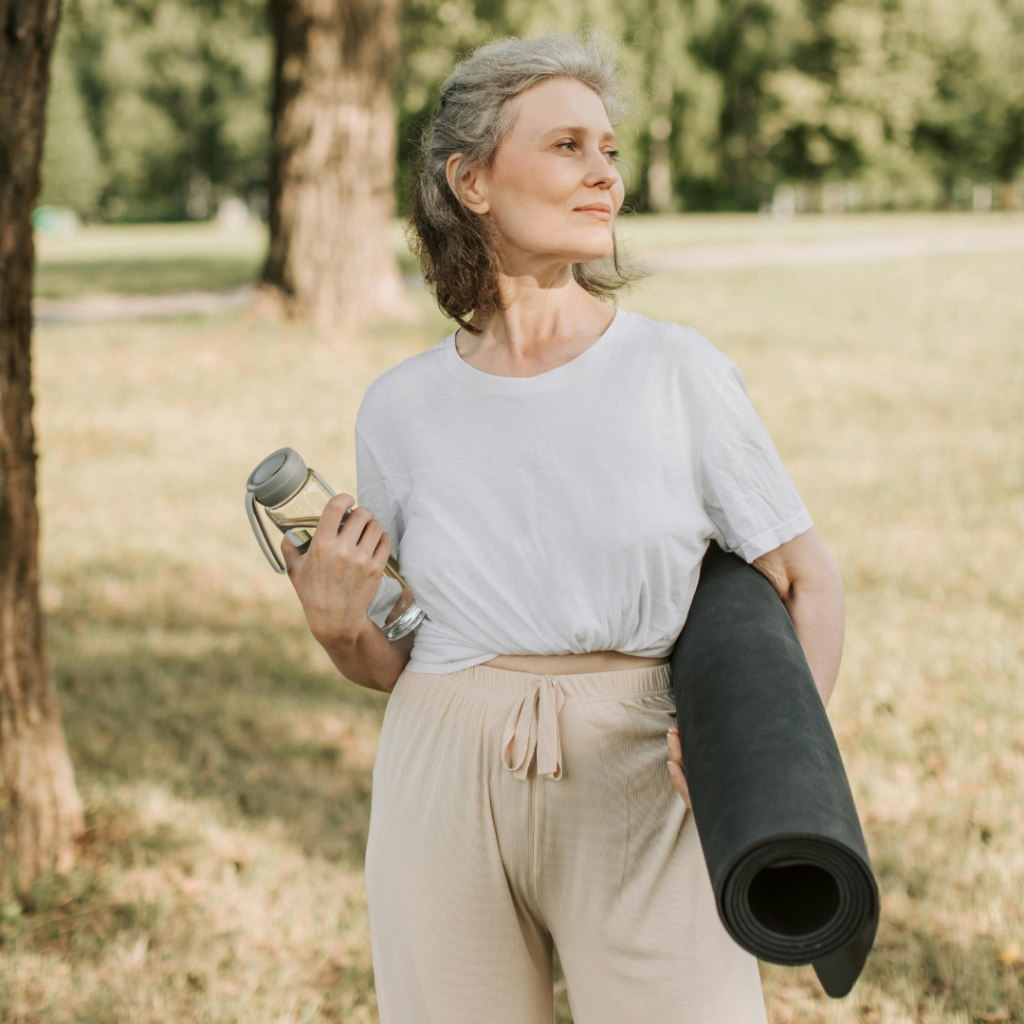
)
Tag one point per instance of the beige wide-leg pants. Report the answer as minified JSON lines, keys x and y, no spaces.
{"x":512,"y":811}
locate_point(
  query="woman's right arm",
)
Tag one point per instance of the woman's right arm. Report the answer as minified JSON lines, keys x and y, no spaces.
{"x":336,"y":580}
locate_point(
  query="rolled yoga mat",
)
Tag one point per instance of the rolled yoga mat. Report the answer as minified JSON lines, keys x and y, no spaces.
{"x":770,"y":797}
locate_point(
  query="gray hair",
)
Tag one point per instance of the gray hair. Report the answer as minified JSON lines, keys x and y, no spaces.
{"x":459,"y":259}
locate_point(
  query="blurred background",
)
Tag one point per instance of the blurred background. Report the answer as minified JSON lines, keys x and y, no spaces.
{"x":828,"y":189}
{"x":161,"y":111}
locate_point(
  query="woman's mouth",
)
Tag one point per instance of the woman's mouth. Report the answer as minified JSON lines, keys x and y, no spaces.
{"x":598,"y":210}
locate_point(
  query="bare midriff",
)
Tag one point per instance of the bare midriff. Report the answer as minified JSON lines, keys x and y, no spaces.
{"x":570,"y":664}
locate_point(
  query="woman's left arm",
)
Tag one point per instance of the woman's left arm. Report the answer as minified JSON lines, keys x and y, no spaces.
{"x":808,"y":581}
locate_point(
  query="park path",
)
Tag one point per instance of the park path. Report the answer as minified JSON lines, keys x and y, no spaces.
{"x":938,"y":242}
{"x":140,"y":307}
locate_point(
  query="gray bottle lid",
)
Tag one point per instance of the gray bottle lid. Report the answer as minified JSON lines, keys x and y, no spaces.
{"x":277,"y":477}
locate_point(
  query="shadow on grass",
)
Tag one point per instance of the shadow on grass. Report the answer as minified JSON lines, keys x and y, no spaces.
{"x":75,"y":916}
{"x":923,"y":972}
{"x":927,"y":968}
{"x":966,"y":980}
{"x":161,"y":678}
{"x":152,"y":953}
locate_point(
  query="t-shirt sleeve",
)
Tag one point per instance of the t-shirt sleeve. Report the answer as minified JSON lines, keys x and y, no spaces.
{"x":747,"y":493}
{"x":372,"y":491}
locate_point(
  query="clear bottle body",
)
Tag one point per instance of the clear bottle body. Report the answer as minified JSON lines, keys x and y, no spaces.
{"x":304,"y":508}
{"x":300,"y":514}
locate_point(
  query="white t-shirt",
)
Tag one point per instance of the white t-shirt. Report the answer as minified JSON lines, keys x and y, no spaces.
{"x":568,"y":511}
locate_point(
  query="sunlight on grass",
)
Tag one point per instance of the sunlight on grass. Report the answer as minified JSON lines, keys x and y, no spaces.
{"x":162,"y":258}
{"x":665,"y":231}
{"x":893,"y":393}
{"x":226,"y":767}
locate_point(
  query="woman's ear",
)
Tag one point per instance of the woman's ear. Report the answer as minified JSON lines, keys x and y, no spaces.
{"x":468,"y":183}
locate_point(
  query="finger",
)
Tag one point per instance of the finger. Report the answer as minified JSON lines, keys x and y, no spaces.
{"x":371,"y":534}
{"x":382,"y":552}
{"x":679,"y":781}
{"x":675,"y":749}
{"x":333,"y":511}
{"x":352,"y":529}
{"x":290,"y":553}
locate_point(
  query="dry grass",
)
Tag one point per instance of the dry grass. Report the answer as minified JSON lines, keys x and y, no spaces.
{"x":226,"y":768}
{"x":895,"y":393}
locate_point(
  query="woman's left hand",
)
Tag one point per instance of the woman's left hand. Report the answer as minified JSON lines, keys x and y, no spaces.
{"x":675,"y":765}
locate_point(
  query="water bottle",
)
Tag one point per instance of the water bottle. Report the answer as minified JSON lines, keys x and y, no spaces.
{"x":282,"y":489}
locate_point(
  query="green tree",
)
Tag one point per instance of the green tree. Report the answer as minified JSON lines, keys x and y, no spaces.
{"x":178,"y":97}
{"x":72,"y":173}
{"x":730,"y":97}
{"x":972,"y":124}
{"x":848,"y":105}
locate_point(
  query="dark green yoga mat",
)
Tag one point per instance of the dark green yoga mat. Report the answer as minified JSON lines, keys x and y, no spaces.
{"x":772,"y":804}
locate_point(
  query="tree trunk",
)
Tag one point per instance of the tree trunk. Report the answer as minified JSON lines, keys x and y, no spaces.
{"x":332,"y":163}
{"x":40,"y":811}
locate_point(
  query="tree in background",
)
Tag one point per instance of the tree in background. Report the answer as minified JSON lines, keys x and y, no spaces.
{"x":906,"y":99}
{"x":679,"y":122}
{"x":40,"y":811}
{"x":177,"y":98}
{"x":905,"y":103}
{"x":73,"y":176}
{"x":972,"y":125}
{"x":332,"y":163}
{"x":740,"y":44}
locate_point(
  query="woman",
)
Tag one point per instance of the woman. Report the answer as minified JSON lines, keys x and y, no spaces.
{"x":552,"y":473}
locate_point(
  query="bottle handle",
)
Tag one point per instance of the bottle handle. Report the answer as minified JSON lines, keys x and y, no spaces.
{"x":261,"y":536}
{"x":324,"y":484}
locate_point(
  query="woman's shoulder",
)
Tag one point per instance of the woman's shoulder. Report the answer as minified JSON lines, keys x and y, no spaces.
{"x":682,"y":352}
{"x":402,"y":384}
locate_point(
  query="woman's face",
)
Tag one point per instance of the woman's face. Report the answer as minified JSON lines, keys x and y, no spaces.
{"x":552,"y":190}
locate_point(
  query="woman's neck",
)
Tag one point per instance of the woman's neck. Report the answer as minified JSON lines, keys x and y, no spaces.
{"x":547,"y":322}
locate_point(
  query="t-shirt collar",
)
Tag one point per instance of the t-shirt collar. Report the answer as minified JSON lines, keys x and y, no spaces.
{"x":590,"y":357}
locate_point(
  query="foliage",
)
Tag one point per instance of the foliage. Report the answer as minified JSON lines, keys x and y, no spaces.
{"x":899,"y":96}
{"x":908,"y":100}
{"x":72,"y":173}
{"x":912,"y":95}
{"x":177,"y":100}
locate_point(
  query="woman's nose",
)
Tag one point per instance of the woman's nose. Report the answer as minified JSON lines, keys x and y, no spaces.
{"x":600,"y":172}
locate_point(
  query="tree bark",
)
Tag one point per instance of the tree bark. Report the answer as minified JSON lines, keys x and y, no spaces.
{"x":332,"y":163}
{"x":40,"y":811}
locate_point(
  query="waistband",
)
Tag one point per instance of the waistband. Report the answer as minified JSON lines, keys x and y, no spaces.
{"x":531,"y":739}
{"x":566,"y":664}
{"x":574,"y":686}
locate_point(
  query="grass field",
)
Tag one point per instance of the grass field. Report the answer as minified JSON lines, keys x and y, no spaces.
{"x":226,"y":768}
{"x":157,"y":259}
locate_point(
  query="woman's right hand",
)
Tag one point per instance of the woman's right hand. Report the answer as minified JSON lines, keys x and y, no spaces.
{"x":337,"y":578}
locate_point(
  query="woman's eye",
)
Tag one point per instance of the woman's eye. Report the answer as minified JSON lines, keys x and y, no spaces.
{"x":566,"y":144}
{"x":613,"y":153}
